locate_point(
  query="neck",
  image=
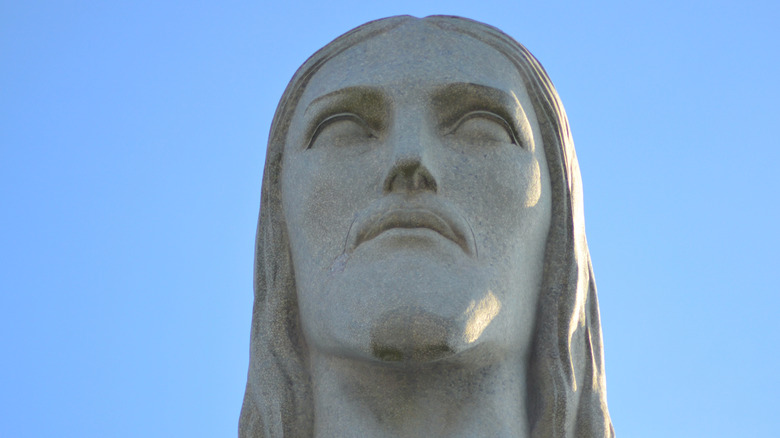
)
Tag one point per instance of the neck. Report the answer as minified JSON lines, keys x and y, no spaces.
{"x":447,"y":398}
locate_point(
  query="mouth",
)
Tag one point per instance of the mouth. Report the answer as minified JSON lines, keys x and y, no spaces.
{"x":431,"y":215}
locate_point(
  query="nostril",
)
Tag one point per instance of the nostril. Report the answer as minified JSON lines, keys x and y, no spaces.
{"x":410,"y":176}
{"x":422,"y":180}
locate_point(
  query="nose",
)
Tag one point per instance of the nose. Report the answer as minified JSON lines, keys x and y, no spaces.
{"x":409,"y":172}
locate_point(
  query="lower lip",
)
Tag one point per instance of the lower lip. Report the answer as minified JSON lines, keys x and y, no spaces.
{"x":411,"y":234}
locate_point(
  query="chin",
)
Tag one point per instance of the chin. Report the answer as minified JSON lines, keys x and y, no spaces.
{"x":412,"y":334}
{"x":401,"y":308}
{"x":412,"y":337}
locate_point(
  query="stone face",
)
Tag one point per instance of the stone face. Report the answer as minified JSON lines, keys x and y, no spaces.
{"x":421,"y":263}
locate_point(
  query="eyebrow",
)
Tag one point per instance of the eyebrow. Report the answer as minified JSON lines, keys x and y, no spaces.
{"x":467,"y":96}
{"x":369,"y":103}
{"x":470,"y":89}
{"x":452,"y":101}
{"x":360,"y":95}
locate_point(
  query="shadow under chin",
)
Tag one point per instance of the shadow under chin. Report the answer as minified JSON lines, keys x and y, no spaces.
{"x":411,"y":334}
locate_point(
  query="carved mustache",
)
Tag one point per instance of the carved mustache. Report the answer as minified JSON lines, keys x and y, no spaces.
{"x":422,"y":211}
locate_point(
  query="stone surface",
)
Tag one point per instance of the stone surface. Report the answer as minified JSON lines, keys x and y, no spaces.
{"x":421,"y":265}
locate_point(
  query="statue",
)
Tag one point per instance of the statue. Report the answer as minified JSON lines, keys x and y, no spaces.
{"x":421,"y":267}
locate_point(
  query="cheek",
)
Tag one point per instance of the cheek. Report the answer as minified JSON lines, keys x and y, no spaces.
{"x":504,"y":196}
{"x":320,"y":196}
{"x":517,"y":185}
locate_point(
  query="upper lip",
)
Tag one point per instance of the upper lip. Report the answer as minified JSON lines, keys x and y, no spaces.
{"x":429,"y":212}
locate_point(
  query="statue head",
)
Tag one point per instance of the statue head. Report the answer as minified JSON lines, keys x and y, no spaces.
{"x":421,"y":203}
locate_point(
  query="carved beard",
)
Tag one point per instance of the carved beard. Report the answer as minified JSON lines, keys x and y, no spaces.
{"x":411,"y":334}
{"x":410,"y":305}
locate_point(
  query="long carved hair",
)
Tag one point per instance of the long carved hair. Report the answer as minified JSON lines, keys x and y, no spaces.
{"x":566,"y":385}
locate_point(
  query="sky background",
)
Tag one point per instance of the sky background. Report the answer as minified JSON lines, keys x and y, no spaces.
{"x":132,"y":143}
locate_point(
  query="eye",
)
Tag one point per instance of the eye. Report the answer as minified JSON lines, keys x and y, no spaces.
{"x":481,"y":126}
{"x":341,"y":129}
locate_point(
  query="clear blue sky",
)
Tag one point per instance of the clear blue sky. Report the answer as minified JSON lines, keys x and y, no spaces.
{"x":132,"y":142}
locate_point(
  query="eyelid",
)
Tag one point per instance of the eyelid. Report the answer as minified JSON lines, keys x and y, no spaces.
{"x":490,"y":115}
{"x":335,"y":118}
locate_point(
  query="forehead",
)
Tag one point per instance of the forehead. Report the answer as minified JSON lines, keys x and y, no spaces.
{"x":412,"y":58}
